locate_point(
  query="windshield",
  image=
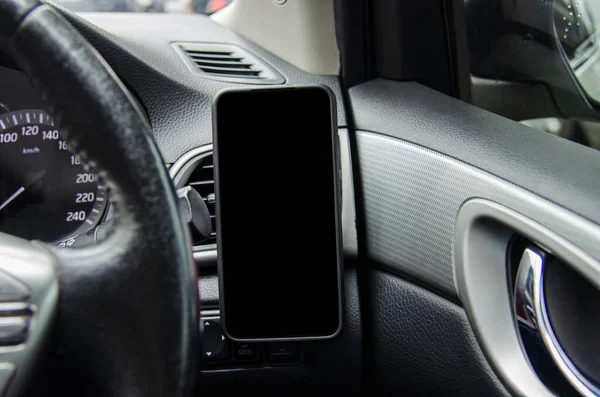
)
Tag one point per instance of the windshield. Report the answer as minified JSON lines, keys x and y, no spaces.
{"x":169,"y":6}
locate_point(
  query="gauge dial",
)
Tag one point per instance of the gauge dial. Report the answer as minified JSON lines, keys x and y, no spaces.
{"x":45,"y":192}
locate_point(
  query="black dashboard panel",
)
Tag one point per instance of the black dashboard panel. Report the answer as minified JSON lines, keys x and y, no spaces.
{"x":328,"y":367}
{"x":178,"y":102}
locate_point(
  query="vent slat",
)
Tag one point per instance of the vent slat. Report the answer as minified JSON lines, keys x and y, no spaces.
{"x":203,"y":52}
{"x":227,"y":62}
{"x":223,"y":63}
{"x":232,"y":72}
{"x":216,"y":58}
{"x":220,"y":65}
{"x":199,"y":183}
{"x":227,"y":69}
{"x":202,"y":180}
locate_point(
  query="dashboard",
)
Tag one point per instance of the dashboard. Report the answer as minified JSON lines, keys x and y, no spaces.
{"x":58,"y":199}
{"x":45,"y":191}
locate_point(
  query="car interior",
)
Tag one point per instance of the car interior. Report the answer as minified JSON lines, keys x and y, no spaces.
{"x":466,"y":140}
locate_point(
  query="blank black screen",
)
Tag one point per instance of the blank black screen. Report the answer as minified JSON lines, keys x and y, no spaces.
{"x":276,"y":197}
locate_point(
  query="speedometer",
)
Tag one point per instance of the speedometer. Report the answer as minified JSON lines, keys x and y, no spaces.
{"x":45,"y":192}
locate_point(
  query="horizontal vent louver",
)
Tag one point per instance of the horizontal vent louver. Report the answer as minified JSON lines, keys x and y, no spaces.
{"x":228,"y":63}
{"x":202,"y":179}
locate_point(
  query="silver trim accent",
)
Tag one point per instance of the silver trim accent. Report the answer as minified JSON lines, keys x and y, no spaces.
{"x":11,"y":307}
{"x":205,"y":257}
{"x":349,"y":234}
{"x":482,"y":233}
{"x":530,"y":309}
{"x":411,"y":197}
{"x":209,"y":313}
{"x":187,"y":158}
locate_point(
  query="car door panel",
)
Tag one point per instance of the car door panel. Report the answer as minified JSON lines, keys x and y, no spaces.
{"x":421,"y":157}
{"x":534,"y":160}
{"x":422,"y":344}
{"x":412,"y":195}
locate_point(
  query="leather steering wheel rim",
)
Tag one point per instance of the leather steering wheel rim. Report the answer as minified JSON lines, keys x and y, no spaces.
{"x":128,"y":306}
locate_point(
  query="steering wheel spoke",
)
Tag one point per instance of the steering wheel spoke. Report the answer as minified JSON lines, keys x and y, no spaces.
{"x":29,"y":294}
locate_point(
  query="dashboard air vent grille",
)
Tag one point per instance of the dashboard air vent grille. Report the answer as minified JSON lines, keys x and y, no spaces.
{"x":228,"y":63}
{"x":202,"y":179}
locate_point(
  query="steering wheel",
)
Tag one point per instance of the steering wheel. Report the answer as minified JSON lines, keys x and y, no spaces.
{"x":125,"y":310}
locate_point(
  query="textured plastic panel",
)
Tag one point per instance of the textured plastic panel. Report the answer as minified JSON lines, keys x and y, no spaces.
{"x":412,"y":196}
{"x":179,"y":103}
{"x":552,"y":167}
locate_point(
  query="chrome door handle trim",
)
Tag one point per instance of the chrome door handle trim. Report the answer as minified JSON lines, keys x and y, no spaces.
{"x":530,"y":310}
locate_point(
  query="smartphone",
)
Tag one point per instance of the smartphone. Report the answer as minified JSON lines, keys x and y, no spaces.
{"x":278,"y":202}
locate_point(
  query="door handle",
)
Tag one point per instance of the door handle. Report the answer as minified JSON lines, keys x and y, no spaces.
{"x":531,"y":312}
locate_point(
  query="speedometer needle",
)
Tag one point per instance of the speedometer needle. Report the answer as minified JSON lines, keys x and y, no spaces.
{"x":31,"y":179}
{"x":12,"y":197}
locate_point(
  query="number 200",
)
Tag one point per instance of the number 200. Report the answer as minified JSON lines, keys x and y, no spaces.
{"x":85,"y":178}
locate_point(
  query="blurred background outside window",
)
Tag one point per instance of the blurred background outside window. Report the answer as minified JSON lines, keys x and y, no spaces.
{"x":167,"y":6}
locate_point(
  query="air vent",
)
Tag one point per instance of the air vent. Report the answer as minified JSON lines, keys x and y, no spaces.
{"x":202,"y":179}
{"x":227,"y":63}
{"x":197,"y":171}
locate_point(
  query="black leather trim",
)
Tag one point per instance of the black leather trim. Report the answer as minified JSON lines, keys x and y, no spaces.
{"x":422,"y":344}
{"x":552,"y":167}
{"x":12,"y":14}
{"x":128,"y":309}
